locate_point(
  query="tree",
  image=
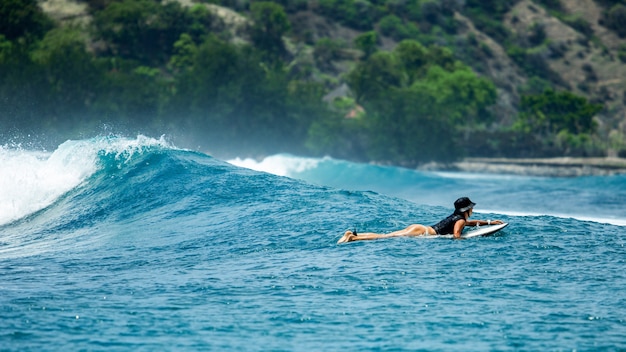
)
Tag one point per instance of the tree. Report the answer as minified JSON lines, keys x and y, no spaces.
{"x":131,"y":97}
{"x":463,"y":96}
{"x":184,"y":53}
{"x":20,"y":18}
{"x":442,"y":57}
{"x":210,"y":89}
{"x":357,"y":14}
{"x":7,"y":49}
{"x":367,"y":43}
{"x":414,"y":57}
{"x":304,"y":105}
{"x":413,"y":103}
{"x":556,"y":122}
{"x":552,"y":112}
{"x":374,"y":77}
{"x":71,"y":73}
{"x":203,"y":22}
{"x":270,"y":24}
{"x":292,"y":6}
{"x":142,"y":30}
{"x":124,"y":26}
{"x":234,"y":103}
{"x":326,"y":51}
{"x":394,"y":27}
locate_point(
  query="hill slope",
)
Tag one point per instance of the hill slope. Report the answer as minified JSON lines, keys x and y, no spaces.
{"x":587,"y":64}
{"x":569,"y":47}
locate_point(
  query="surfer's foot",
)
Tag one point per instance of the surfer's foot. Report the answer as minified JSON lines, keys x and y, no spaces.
{"x":347,"y":237}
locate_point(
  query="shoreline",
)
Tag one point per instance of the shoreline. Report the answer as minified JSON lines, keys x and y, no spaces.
{"x":546,"y":167}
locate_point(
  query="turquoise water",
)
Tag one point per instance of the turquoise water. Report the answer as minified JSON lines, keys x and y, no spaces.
{"x":132,"y":244}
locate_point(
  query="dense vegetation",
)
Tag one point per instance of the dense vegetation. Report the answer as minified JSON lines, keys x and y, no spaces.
{"x":144,"y":66}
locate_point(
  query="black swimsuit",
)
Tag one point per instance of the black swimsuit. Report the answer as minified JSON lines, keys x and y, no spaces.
{"x":446,"y":226}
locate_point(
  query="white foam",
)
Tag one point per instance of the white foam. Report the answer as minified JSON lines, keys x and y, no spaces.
{"x":281,"y":164}
{"x":32,"y":180}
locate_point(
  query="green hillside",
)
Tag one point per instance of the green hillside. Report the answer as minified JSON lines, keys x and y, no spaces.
{"x":401,"y":81}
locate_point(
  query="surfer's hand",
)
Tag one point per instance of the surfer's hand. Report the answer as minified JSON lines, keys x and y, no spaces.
{"x":496,"y":222}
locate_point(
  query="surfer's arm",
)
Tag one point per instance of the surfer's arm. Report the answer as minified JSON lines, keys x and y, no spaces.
{"x":458,"y":228}
{"x":483,"y":222}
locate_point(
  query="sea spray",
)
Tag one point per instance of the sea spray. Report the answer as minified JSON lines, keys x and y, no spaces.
{"x":32,"y":180}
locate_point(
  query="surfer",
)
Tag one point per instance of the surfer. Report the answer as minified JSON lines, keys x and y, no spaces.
{"x":453,"y":224}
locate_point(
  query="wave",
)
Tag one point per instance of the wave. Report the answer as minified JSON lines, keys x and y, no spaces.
{"x":124,"y":191}
{"x":32,"y":180}
{"x":143,"y":224}
{"x":118,"y":191}
{"x":597,"y":198}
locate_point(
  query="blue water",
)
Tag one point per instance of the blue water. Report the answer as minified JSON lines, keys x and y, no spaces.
{"x":132,"y":244}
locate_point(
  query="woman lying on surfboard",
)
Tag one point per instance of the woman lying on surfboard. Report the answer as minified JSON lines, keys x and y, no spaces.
{"x":453,"y":224}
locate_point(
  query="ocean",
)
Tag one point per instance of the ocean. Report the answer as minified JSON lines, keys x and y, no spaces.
{"x":118,"y":244}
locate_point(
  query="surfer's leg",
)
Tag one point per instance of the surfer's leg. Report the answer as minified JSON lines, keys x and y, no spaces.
{"x":413,"y":230}
{"x":349,"y":236}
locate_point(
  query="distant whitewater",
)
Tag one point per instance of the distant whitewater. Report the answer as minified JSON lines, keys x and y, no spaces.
{"x":130,"y":244}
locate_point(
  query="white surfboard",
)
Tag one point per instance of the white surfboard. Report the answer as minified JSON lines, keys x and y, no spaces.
{"x":479,"y":231}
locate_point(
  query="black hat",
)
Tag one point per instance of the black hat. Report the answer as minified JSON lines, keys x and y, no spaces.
{"x":463,"y":204}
